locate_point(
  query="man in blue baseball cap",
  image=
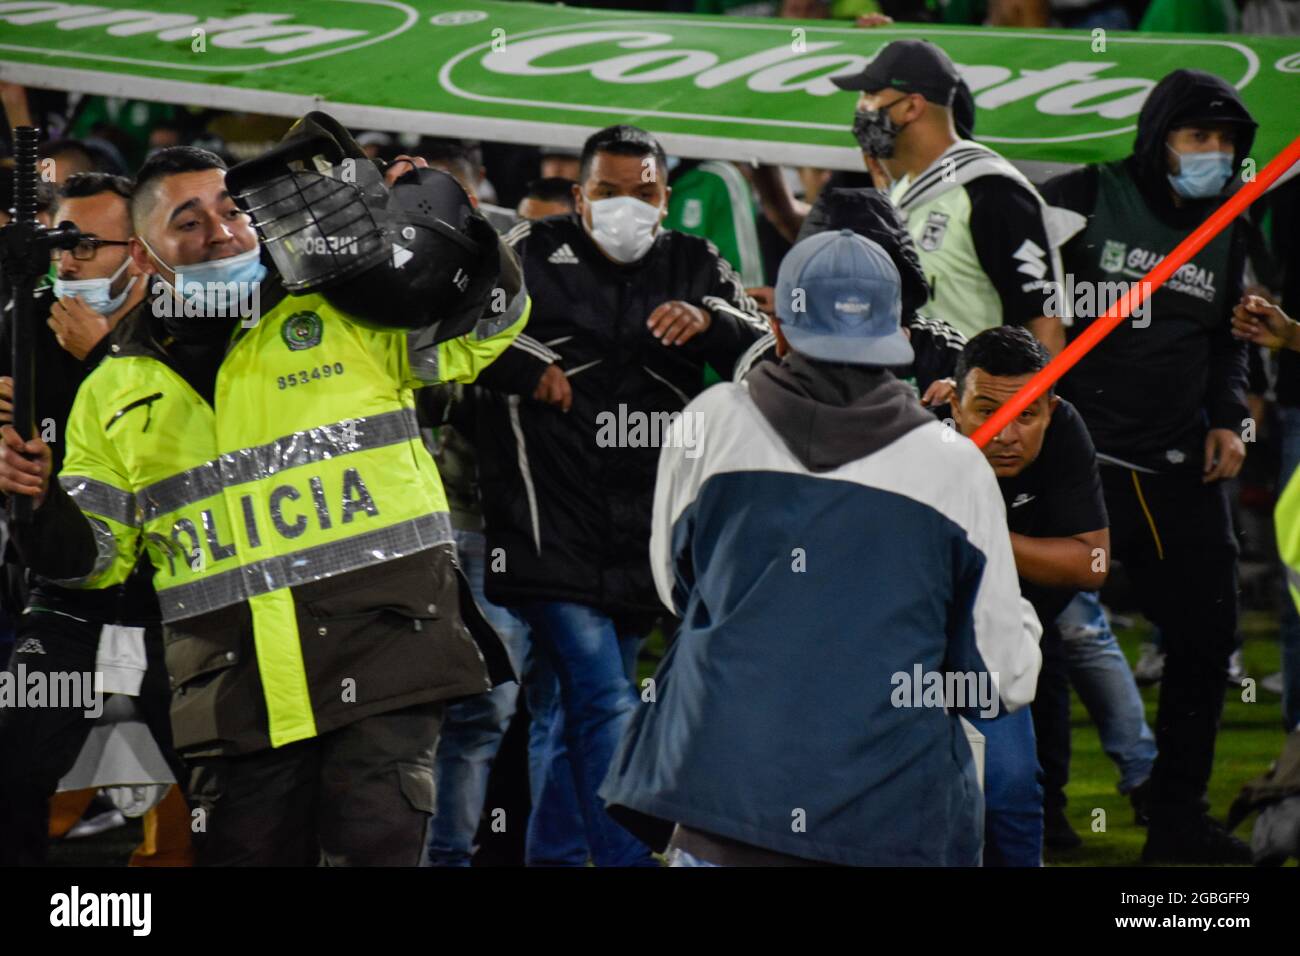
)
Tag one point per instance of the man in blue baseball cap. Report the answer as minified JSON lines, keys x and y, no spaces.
{"x":842,"y":569}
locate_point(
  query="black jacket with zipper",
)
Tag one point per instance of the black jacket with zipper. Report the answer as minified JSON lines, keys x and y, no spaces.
{"x":58,"y":376}
{"x":570,"y":510}
{"x":1130,"y":418}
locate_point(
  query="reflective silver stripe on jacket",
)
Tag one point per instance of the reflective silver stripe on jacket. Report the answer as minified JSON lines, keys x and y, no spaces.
{"x":105,"y":554}
{"x":1293,"y":577}
{"x":423,"y":357}
{"x":280,"y":454}
{"x":304,"y":566}
{"x":100,"y":498}
{"x":494,"y":324}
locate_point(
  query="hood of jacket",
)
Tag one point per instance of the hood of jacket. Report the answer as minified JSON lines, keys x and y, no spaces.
{"x":1182,"y":98}
{"x":831,"y":414}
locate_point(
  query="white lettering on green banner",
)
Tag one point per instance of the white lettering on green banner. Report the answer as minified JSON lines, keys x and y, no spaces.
{"x":714,"y":87}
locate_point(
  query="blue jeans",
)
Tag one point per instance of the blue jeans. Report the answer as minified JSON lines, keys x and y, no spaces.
{"x":1104,"y":682}
{"x":472,"y":728}
{"x":557,"y":835}
{"x":1013,"y":796}
{"x":1289,"y":624}
{"x":589,"y":655}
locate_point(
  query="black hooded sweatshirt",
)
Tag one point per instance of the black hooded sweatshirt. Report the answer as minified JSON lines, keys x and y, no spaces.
{"x":1130,"y":419}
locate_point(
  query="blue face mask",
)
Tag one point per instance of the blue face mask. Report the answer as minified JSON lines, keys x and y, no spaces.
{"x":1200,"y":175}
{"x":95,"y":292}
{"x":210,"y":279}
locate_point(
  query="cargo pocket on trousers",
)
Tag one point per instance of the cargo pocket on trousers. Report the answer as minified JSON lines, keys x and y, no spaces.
{"x":209,"y":690}
{"x":418,"y":786}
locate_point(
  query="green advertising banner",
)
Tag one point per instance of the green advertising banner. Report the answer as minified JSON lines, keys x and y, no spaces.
{"x":713,"y":87}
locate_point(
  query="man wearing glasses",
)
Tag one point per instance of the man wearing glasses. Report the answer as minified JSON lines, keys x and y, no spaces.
{"x":62,"y":631}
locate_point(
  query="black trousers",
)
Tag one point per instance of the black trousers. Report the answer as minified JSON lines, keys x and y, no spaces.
{"x":38,"y":745}
{"x":1051,"y":710}
{"x":361,"y":795}
{"x":1174,"y":535}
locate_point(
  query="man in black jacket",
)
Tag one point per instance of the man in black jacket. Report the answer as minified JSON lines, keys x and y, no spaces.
{"x":1164,"y":398}
{"x":632,"y":315}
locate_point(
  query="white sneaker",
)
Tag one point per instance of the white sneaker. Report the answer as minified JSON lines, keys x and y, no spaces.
{"x":1272,"y":683}
{"x":96,"y":823}
{"x":1150,"y":666}
{"x":1236,"y":669}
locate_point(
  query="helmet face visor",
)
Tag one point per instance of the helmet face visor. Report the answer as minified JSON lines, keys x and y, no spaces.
{"x":321,"y":228}
{"x":403,"y":258}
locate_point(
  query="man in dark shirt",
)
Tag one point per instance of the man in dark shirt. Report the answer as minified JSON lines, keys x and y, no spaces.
{"x":1047,"y":471}
{"x":1164,"y":399}
{"x":1048,"y":476}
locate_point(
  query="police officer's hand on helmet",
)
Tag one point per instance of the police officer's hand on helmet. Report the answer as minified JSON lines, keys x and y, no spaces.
{"x":24,"y":466}
{"x":402,"y":165}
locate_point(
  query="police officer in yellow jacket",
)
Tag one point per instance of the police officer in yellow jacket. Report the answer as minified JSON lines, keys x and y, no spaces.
{"x":269,"y":462}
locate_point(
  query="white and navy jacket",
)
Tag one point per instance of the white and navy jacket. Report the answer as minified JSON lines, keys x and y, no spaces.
{"x":808,"y":575}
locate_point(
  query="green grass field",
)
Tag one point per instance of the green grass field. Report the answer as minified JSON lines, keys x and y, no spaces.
{"x":1250,"y":737}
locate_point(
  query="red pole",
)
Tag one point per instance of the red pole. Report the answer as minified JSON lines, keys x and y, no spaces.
{"x":1137,"y":294}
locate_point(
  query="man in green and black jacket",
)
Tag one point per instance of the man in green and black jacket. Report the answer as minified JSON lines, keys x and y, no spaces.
{"x":1164,"y":399}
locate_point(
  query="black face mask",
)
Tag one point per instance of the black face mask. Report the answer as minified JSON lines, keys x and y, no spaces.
{"x":876,"y":132}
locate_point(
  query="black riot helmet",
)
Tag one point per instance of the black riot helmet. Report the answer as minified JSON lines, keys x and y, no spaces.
{"x":411,"y":257}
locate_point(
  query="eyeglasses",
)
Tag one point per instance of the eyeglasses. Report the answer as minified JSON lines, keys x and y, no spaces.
{"x":86,"y":249}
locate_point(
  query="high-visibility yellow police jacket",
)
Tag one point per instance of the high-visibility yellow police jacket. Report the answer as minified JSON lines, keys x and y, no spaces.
{"x":297,"y":525}
{"x":1286,"y":519}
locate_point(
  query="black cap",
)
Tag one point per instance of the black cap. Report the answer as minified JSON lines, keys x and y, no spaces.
{"x":909,"y":66}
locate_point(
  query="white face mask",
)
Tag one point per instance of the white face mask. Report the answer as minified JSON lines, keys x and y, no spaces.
{"x":624,"y":227}
{"x":96,"y":292}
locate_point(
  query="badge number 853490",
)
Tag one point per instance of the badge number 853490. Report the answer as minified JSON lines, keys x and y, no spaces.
{"x":305,"y":376}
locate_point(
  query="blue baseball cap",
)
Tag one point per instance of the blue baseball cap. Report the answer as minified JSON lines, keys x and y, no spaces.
{"x":838,"y":296}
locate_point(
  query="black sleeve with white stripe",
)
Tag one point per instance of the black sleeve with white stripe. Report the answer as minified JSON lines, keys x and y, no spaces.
{"x":1006,"y":224}
{"x":937,"y":347}
{"x":737,"y":322}
{"x":518,"y":369}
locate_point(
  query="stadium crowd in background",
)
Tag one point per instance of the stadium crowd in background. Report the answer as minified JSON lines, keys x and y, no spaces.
{"x":589,"y":551}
